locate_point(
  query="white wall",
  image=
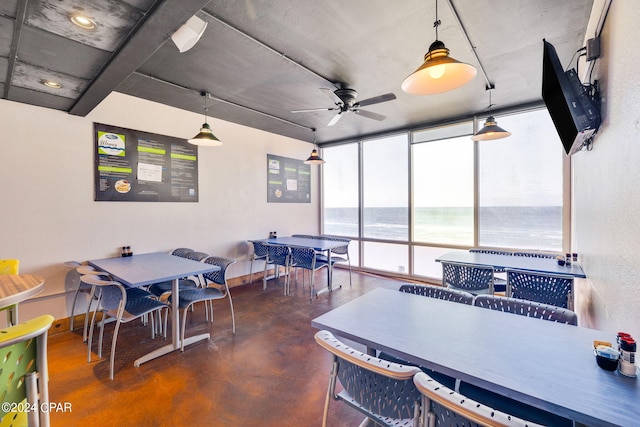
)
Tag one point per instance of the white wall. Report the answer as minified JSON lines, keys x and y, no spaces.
{"x":606,"y":181}
{"x":49,"y":215}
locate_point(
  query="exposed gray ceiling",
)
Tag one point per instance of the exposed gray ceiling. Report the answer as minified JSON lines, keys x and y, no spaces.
{"x":261,"y":59}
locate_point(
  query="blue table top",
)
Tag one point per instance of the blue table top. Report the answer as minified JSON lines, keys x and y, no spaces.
{"x":147,"y":269}
{"x":541,"y":265}
{"x":546,"y":364}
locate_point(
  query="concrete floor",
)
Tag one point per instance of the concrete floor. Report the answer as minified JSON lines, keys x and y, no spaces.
{"x":270,"y":373}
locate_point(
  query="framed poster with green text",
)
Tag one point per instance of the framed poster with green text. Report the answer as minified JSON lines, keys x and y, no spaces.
{"x":136,"y":166}
{"x":288,"y":180}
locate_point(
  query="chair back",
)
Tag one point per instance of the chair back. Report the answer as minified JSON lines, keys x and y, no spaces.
{"x":442,"y":406}
{"x":490,"y":251}
{"x":181,"y":252}
{"x":278,"y":254}
{"x":476,"y":279}
{"x":259,"y":250}
{"x":23,"y":371}
{"x":303,"y":258}
{"x":218,"y":277}
{"x":381,"y":389}
{"x":340,"y":250}
{"x":111,"y":294}
{"x":536,"y":254}
{"x":9,"y":266}
{"x":527,"y":308}
{"x":553,"y":289}
{"x":438,"y":292}
{"x":196,"y":256}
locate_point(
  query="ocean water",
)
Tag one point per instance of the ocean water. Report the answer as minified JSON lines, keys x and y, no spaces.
{"x":524,"y":227}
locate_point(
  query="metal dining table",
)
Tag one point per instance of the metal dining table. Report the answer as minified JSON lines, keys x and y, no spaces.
{"x":538,"y":265}
{"x":545,"y":364}
{"x":319,"y":245}
{"x":147,"y":269}
{"x":15,"y":288}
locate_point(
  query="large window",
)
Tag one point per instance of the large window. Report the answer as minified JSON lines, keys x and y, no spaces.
{"x":404,"y":204}
{"x":385,"y":177}
{"x":520,"y":184}
{"x":340,"y":190}
{"x":443,"y":188}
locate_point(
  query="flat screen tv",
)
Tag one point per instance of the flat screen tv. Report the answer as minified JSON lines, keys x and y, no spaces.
{"x":575,"y":113}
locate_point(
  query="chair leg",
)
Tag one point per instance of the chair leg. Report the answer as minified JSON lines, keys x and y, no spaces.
{"x":86,"y":314}
{"x":330,"y":391}
{"x":184,"y":328}
{"x":233,"y":316}
{"x":90,"y":336}
{"x":113,"y":348}
{"x":251,"y":271}
{"x":73,"y":308}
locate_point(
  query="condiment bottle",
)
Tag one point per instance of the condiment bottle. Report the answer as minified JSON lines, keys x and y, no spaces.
{"x":627,"y":365}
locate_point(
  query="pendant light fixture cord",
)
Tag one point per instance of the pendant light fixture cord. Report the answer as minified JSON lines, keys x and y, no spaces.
{"x":437,"y":22}
{"x":205,"y":95}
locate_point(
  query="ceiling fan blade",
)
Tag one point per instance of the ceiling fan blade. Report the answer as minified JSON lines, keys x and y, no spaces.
{"x":377,"y":99}
{"x":370,"y":115}
{"x":313,"y":109}
{"x":335,"y":119}
{"x":332,"y":96}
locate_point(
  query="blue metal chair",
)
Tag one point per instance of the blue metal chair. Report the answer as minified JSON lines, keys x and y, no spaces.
{"x":499,"y":283}
{"x":278,"y":256}
{"x":163,"y":289}
{"x":441,"y":406}
{"x":341,"y":252}
{"x":536,"y":254}
{"x":216,"y":288}
{"x":553,"y":289}
{"x":307,"y":259}
{"x":115,"y":301}
{"x":476,"y":279}
{"x":382,"y":390}
{"x":259,"y":254}
{"x":438,"y":292}
{"x":527,"y":308}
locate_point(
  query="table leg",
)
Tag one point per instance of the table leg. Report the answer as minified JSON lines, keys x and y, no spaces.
{"x":175,"y":330}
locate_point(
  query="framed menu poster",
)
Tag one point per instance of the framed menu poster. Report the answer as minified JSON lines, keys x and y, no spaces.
{"x":288,"y":180}
{"x":136,"y":166}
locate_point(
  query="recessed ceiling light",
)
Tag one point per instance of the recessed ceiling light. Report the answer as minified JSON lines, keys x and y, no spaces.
{"x":51,"y":84}
{"x":83,"y":21}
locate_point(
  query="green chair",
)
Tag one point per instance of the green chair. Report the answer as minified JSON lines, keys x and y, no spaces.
{"x":23,"y":373}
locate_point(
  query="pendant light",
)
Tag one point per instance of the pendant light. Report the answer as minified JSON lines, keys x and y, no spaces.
{"x":439,"y":73}
{"x":205,"y":137}
{"x":491,"y":130}
{"x":314,"y":158}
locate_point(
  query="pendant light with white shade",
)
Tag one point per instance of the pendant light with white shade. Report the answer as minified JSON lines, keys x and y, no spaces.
{"x":491,"y":130}
{"x":205,"y":137}
{"x":440,"y":72}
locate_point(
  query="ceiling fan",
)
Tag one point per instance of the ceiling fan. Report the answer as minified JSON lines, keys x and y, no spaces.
{"x":345,"y":102}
